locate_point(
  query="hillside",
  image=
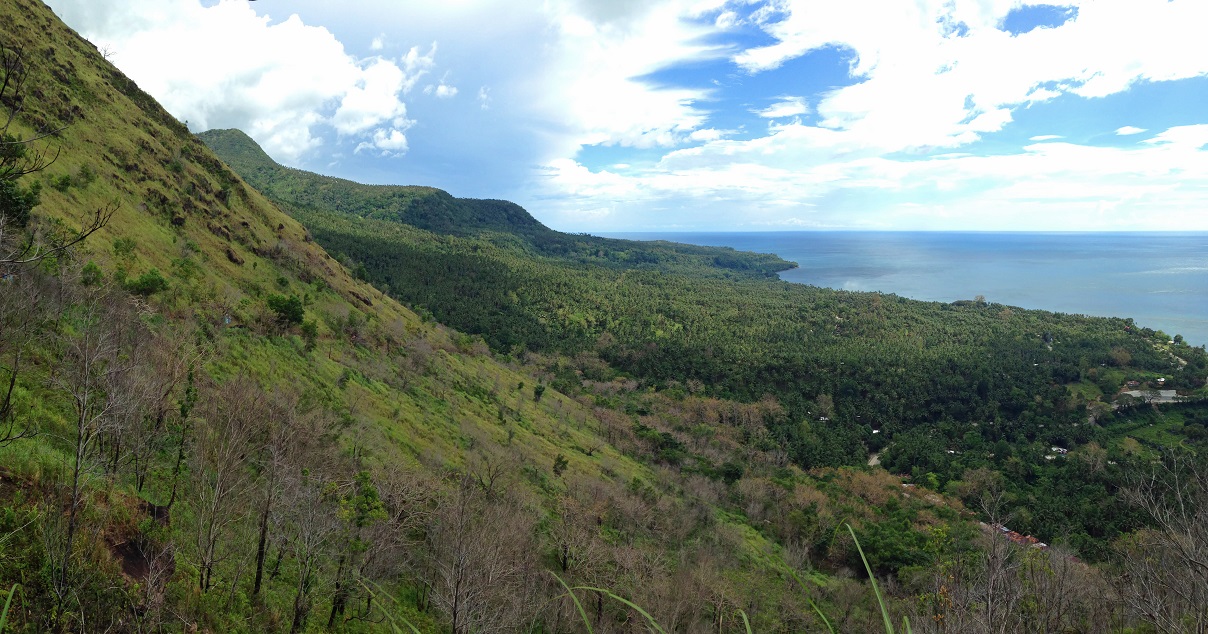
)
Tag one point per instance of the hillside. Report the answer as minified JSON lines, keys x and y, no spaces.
{"x":423,"y":207}
{"x":943,"y":389}
{"x":209,"y":424}
{"x":211,"y":421}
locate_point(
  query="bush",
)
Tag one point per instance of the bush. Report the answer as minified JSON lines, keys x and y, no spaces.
{"x":288,"y":308}
{"x":17,"y":203}
{"x":91,"y":274}
{"x":148,"y":283}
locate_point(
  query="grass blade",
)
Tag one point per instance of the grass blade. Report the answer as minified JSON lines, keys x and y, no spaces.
{"x":578,"y":606}
{"x":8,"y":603}
{"x":394,"y":619}
{"x":745,"y":622}
{"x":817,"y":610}
{"x":873,"y":580}
{"x":650,"y":619}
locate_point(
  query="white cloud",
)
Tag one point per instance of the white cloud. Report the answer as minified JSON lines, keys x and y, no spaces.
{"x":593,"y":82}
{"x":281,"y":81}
{"x":1186,"y":137}
{"x":385,"y":142}
{"x":705,"y":135}
{"x":928,"y":79}
{"x":923,"y":83}
{"x":372,"y":100}
{"x":1128,"y":129}
{"x":1052,"y":185}
{"x":441,"y":90}
{"x":786,"y":107}
{"x":416,"y":65}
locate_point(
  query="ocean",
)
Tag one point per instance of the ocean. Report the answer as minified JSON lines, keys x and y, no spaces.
{"x":1158,"y":279}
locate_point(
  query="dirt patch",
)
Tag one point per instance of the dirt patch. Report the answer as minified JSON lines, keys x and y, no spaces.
{"x":134,"y":562}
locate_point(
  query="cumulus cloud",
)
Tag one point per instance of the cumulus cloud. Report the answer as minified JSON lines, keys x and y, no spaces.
{"x":895,"y":143}
{"x":939,"y":73}
{"x":1050,"y":185}
{"x":600,"y":54}
{"x":223,"y":65}
{"x":441,"y":90}
{"x":928,"y":78}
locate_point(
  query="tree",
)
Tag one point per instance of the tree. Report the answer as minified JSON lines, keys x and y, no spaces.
{"x":288,"y":309}
{"x":359,"y":510}
{"x":1166,"y":567}
{"x":311,"y":524}
{"x":476,"y":577}
{"x":91,"y":379}
{"x":18,"y":157}
{"x":220,"y":469}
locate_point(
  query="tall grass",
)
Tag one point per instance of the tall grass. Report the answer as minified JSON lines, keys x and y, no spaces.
{"x":877,"y":590}
{"x":888,"y":621}
{"x":397,"y":622}
{"x":8,"y":603}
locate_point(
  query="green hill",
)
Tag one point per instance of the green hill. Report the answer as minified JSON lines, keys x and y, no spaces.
{"x":211,"y":420}
{"x":423,"y":207}
{"x":209,"y":424}
{"x":943,"y":388}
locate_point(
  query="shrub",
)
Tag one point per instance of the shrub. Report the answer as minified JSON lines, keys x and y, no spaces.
{"x":91,"y":274}
{"x":17,"y":203}
{"x":148,"y":283}
{"x":288,"y":308}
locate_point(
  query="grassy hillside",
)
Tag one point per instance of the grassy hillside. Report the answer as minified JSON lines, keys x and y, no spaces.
{"x":209,"y":424}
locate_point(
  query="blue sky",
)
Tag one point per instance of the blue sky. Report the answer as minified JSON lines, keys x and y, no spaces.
{"x":631,"y":115}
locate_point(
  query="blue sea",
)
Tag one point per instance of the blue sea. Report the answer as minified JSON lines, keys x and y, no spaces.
{"x":1158,"y":279}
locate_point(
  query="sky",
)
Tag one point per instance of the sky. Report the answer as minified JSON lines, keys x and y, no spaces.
{"x":712,"y":115}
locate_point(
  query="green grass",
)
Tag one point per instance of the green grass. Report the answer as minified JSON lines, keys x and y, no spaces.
{"x":654,"y":625}
{"x":8,"y":603}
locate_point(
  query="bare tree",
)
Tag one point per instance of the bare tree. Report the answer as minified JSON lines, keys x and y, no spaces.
{"x":1165,"y":580}
{"x":220,"y":470}
{"x":22,"y":156}
{"x":90,"y":377}
{"x":18,"y":157}
{"x":309,"y":519}
{"x":271,"y":461}
{"x":477,"y":550}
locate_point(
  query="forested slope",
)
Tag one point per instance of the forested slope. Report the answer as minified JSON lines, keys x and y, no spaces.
{"x":210,"y":424}
{"x":946,"y":387}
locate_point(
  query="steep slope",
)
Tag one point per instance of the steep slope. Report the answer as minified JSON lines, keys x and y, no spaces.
{"x":943,"y":388}
{"x":215,"y":427}
{"x":435,"y":211}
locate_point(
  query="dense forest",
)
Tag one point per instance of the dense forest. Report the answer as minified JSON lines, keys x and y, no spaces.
{"x":331,"y":407}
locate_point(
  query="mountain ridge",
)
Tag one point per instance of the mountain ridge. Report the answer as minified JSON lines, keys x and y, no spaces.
{"x":424,"y":207}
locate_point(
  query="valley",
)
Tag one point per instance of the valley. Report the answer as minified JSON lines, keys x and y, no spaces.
{"x":256,"y":399}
